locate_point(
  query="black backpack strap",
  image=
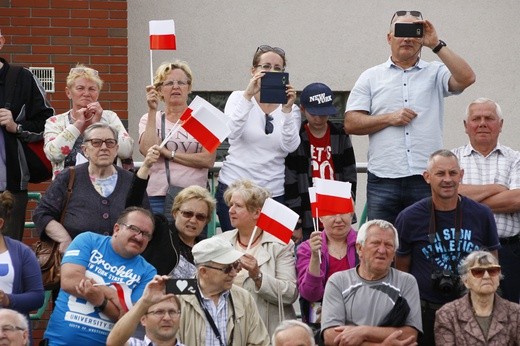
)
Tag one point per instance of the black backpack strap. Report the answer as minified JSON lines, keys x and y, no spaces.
{"x":10,"y":84}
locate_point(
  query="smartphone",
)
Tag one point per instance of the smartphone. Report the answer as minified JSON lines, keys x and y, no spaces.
{"x":409,"y":30}
{"x":181,"y":286}
{"x":272,"y":87}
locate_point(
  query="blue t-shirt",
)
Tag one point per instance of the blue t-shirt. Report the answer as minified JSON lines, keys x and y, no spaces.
{"x":74,"y":321}
{"x":478,"y":231}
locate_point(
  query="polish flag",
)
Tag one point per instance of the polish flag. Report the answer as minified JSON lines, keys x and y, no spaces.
{"x":312,"y":199}
{"x":333,"y":197}
{"x":124,"y":294}
{"x":278,"y":220}
{"x":206,"y":123}
{"x":162,"y":35}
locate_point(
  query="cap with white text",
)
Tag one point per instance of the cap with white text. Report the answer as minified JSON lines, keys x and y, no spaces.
{"x":317,"y":98}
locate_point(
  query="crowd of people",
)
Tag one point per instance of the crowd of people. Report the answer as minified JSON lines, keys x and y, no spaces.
{"x":434,"y":264}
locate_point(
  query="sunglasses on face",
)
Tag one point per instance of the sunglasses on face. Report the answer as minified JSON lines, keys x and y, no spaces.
{"x":416,"y":14}
{"x":265,"y":48}
{"x":188,"y":214}
{"x":479,"y":272}
{"x":96,"y":142}
{"x":227,"y":269}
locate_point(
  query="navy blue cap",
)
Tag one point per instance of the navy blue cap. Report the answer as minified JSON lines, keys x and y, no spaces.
{"x":317,"y":98}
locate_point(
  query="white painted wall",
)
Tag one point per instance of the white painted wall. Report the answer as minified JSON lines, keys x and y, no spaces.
{"x":332,"y":42}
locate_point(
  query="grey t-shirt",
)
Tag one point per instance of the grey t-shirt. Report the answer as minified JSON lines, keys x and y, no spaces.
{"x":351,"y":300}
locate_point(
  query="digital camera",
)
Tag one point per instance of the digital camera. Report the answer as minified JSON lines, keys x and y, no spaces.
{"x":445,"y":281}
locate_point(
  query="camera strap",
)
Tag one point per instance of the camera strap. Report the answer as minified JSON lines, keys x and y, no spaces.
{"x":433,"y":230}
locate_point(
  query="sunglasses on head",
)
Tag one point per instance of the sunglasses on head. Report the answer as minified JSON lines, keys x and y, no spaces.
{"x":479,"y":272}
{"x":416,"y":14}
{"x":265,"y":48}
{"x":227,"y":269}
{"x":80,"y":70}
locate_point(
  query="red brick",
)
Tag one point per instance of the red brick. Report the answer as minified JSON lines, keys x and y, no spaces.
{"x":50,"y":31}
{"x":92,"y":50}
{"x":16,"y":49}
{"x":30,"y":40}
{"x":70,"y":22}
{"x":32,"y":59}
{"x":109,"y":60}
{"x":118,"y":50}
{"x":117,"y":32}
{"x":69,"y":4}
{"x":119,"y":96}
{"x":16,"y":12}
{"x":12,"y":30}
{"x":30,"y":21}
{"x":88,"y":32}
{"x":51,"y":49}
{"x":118,"y":87}
{"x":108,"y":23}
{"x":119,"y":69}
{"x":90,"y":14}
{"x":49,"y":12}
{"x":73,"y":41}
{"x":118,"y":14}
{"x":108,"y":41}
{"x":30,"y":3}
{"x":111,"y":5}
{"x":119,"y":105}
{"x":70,"y":59}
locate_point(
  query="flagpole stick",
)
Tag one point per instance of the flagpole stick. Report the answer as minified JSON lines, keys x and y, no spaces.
{"x":251,"y":239}
{"x":174,"y":129}
{"x":316,"y":228}
{"x":151,"y":67}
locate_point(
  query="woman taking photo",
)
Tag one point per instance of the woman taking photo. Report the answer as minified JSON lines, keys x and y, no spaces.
{"x":262,"y":134}
{"x":183,"y":161}
{"x":480,"y":317}
{"x":21,"y":287}
{"x":268,"y":266}
{"x":64,"y":133}
{"x":335,"y":247}
{"x":98,"y":195}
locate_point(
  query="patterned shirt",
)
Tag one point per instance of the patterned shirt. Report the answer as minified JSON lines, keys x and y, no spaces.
{"x":146,"y":342}
{"x":219,"y":314}
{"x":501,"y":166}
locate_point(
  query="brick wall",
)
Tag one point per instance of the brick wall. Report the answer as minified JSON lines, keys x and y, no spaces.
{"x":59,"y":34}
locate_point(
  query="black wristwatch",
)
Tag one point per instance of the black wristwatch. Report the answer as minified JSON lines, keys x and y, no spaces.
{"x":438,"y":47}
{"x":103,"y":305}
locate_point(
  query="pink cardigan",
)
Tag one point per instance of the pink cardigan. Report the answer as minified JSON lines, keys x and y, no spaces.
{"x":312,"y":287}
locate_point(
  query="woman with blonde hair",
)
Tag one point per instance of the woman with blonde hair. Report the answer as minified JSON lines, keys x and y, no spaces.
{"x":268,"y":266}
{"x":63,"y":133}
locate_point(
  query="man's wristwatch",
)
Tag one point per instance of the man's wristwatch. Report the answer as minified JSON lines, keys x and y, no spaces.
{"x":19,"y":129}
{"x":102,"y":306}
{"x":438,"y":47}
{"x":258,"y":277}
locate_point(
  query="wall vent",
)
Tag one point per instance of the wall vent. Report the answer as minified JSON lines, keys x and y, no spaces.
{"x":46,"y":77}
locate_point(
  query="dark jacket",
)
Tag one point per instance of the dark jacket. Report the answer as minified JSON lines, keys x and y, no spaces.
{"x":298,"y":171}
{"x":29,"y":103}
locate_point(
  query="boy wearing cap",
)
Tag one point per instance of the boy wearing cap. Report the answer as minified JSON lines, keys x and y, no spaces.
{"x":325,"y":151}
{"x":220,"y":313}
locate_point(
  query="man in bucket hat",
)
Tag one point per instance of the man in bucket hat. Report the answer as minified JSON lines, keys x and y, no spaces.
{"x":325,"y":151}
{"x":220,"y":313}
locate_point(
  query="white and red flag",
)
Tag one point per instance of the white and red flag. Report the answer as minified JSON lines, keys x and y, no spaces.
{"x":333,"y":197}
{"x":278,"y":220}
{"x":206,"y":123}
{"x":162,"y":35}
{"x":312,"y":199}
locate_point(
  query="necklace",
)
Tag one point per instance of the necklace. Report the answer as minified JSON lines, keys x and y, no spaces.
{"x":245,"y":245}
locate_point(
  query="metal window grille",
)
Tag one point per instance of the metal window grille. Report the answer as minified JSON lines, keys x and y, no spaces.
{"x":46,"y":77}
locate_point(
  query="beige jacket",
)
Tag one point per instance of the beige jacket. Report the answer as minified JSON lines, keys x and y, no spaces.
{"x":278,"y":290}
{"x":246,"y":326}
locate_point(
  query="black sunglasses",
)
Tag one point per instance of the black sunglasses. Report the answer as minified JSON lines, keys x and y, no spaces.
{"x":265,"y":48}
{"x":188,"y":214}
{"x":269,"y":127}
{"x":416,"y":14}
{"x":227,"y":269}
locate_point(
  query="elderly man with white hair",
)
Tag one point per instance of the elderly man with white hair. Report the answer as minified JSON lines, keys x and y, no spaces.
{"x":14,"y":328}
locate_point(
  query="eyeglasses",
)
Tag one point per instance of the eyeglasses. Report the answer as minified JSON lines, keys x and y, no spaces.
{"x":9,"y":328}
{"x":269,"y":67}
{"x":136,"y":230}
{"x":189,"y":214}
{"x":84,"y":70}
{"x":161,"y":313}
{"x":171,"y":83}
{"x":266,"y":48}
{"x":269,"y":127}
{"x":227,"y":269}
{"x":479,"y":272}
{"x":97,"y":142}
{"x":416,"y":14}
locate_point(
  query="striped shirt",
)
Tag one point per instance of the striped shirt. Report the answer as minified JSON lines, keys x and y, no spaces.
{"x":219,"y":314}
{"x":501,"y":166}
{"x":146,"y":342}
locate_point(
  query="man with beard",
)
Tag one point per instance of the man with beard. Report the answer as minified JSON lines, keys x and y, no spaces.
{"x":159,"y":314}
{"x":436,"y":233}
